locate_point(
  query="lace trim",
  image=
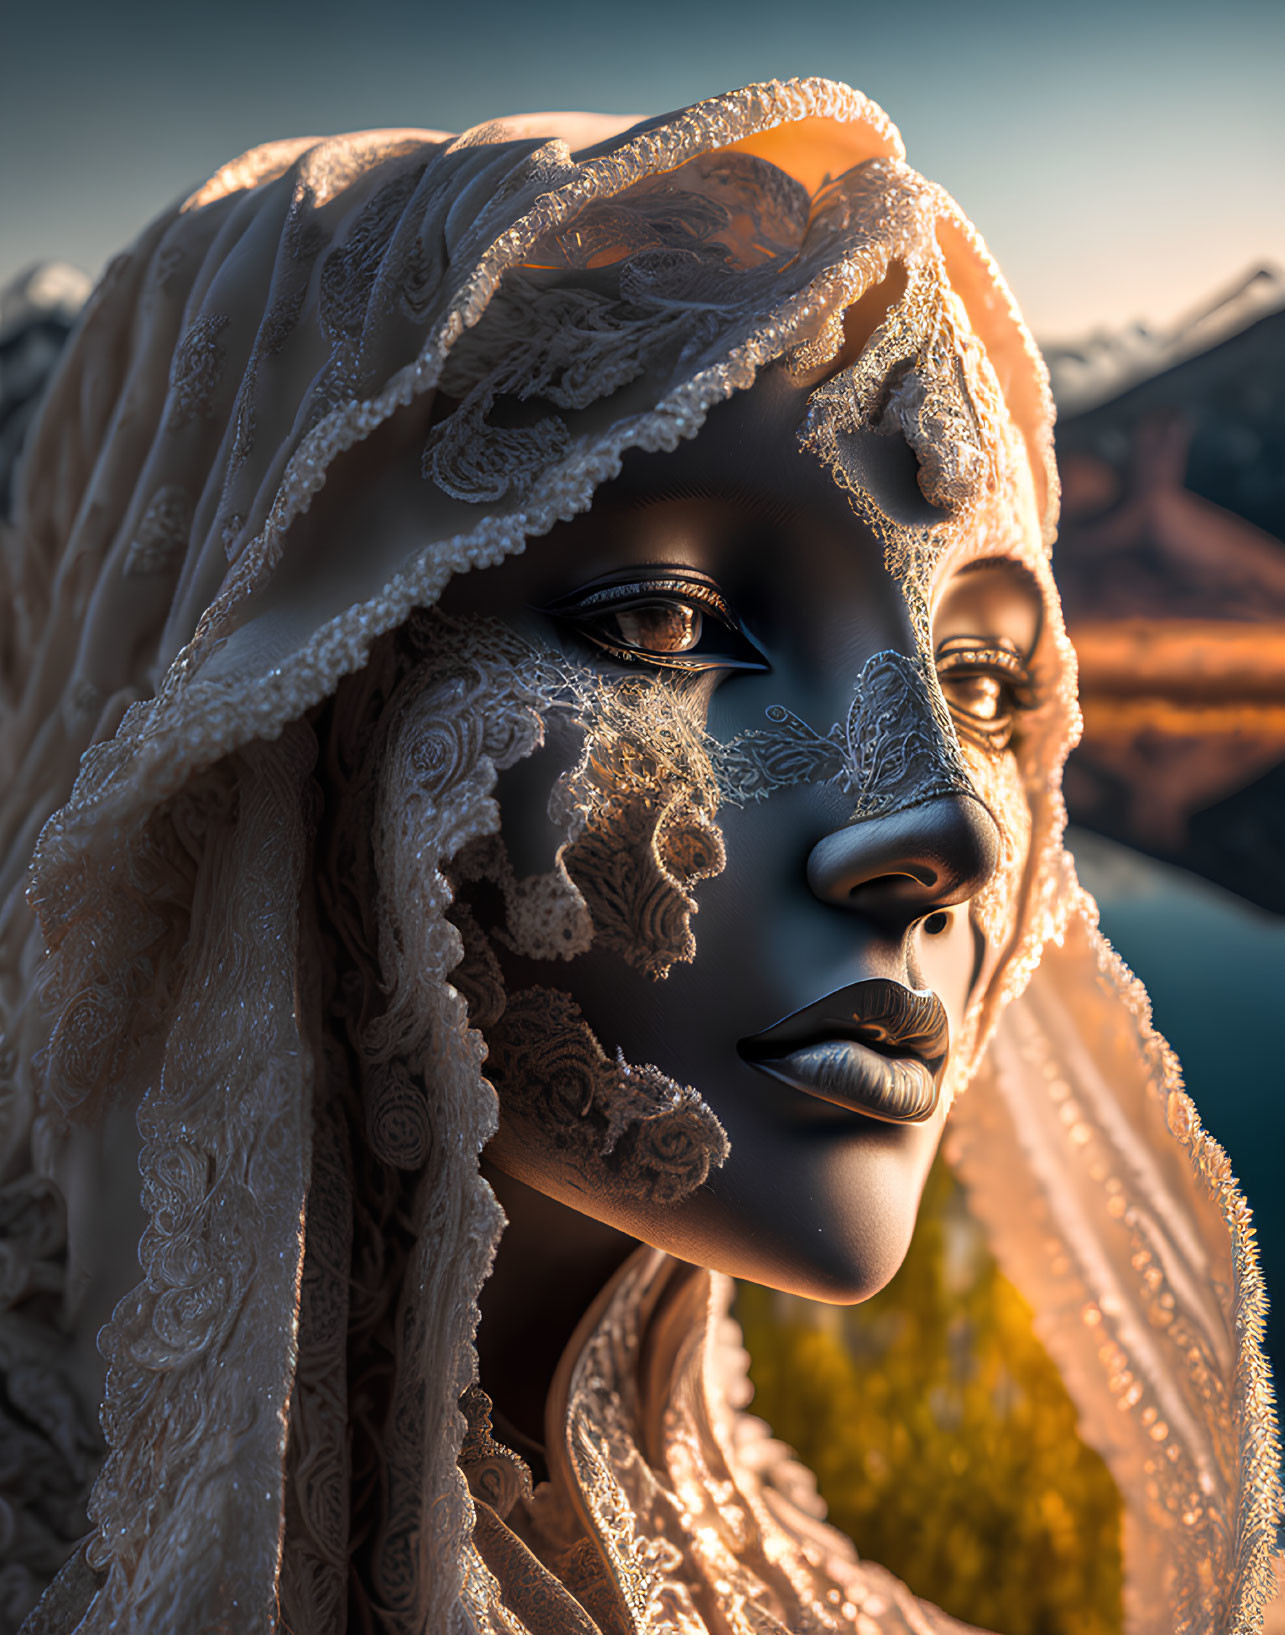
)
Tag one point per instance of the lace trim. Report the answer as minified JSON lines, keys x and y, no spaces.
{"x":212,"y":1328}
{"x":686,"y":1499}
{"x":201,"y":714}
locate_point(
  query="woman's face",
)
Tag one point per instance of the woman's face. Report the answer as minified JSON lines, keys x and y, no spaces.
{"x":723,"y":581}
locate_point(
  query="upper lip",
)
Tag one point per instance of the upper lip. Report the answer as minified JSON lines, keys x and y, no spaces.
{"x":887,"y":1016}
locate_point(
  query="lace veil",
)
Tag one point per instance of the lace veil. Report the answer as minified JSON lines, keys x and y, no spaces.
{"x":524,"y":302}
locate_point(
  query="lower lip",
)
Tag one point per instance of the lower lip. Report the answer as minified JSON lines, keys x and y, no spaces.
{"x":897,"y":1089}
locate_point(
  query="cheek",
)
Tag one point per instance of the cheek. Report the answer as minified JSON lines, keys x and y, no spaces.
{"x":608,"y":830}
{"x":636,"y":861}
{"x":994,"y":910}
{"x":589,"y":1128}
{"x":616,"y":823}
{"x":638,"y":809}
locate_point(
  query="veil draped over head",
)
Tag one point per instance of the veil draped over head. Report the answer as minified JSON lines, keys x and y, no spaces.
{"x":282,"y":1420}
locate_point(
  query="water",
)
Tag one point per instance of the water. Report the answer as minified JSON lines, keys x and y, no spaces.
{"x":1215,"y":969}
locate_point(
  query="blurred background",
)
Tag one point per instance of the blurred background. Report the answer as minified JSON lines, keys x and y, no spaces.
{"x":1125,"y":163}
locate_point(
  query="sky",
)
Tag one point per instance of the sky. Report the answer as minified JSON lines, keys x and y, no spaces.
{"x":1124,"y":161}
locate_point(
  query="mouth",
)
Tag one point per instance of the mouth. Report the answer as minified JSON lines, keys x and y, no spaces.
{"x":875,"y":1047}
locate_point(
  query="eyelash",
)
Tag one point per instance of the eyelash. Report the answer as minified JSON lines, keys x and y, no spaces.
{"x":962,"y":658}
{"x":693,"y":595}
{"x":958,"y":659}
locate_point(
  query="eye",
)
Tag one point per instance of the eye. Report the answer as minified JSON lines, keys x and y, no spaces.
{"x":675,"y":621}
{"x":986,"y":683}
{"x":670,"y":628}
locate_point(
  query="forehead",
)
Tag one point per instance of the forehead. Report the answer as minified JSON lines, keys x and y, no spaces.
{"x":751,"y":491}
{"x":751,"y":449}
{"x":742,"y":501}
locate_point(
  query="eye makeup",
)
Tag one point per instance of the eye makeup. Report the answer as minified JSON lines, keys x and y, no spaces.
{"x":670,"y":618}
{"x":986,"y":683}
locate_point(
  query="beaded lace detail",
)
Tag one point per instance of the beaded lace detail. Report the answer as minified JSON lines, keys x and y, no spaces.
{"x":664,"y":1501}
{"x":318,"y":1229}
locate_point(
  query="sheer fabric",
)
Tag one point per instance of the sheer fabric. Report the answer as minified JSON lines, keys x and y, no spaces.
{"x":282,"y":1406}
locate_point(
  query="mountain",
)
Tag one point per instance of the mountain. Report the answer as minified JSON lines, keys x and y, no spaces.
{"x":37,"y":312}
{"x":1171,"y":446}
{"x":1171,"y":562}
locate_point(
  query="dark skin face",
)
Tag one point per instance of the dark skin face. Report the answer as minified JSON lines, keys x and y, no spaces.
{"x":814,"y":1198}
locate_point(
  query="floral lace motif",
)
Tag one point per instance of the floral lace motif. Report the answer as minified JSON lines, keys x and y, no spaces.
{"x":612,"y":1125}
{"x":544,"y":315}
{"x":718,"y":1511}
{"x":224,"y":1167}
{"x":896,"y":748}
{"x":162,"y":535}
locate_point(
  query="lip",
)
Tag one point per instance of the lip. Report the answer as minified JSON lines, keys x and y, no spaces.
{"x":876,"y":1047}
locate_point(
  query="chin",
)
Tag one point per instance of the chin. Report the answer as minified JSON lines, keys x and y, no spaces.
{"x":806,"y":1236}
{"x":840,"y":1263}
{"x":845,"y":1274}
{"x":825,"y":1212}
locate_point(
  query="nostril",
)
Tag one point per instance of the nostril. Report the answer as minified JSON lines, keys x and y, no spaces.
{"x":936,"y":923}
{"x":893,"y":882}
{"x":908,"y":864}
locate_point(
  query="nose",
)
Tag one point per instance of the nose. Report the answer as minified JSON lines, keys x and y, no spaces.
{"x":899,"y":867}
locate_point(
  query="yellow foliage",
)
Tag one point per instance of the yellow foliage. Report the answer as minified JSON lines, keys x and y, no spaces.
{"x":942,"y":1437}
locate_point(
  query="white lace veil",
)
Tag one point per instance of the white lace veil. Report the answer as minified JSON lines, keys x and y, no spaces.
{"x":176,"y":616}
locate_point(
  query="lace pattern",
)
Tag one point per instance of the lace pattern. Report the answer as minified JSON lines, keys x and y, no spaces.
{"x":1129,"y":1263}
{"x":897,"y":746}
{"x":227,"y":1142}
{"x":718,"y":1516}
{"x":542,"y":314}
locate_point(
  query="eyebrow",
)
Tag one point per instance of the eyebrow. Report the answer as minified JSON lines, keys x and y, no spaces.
{"x":1010,"y":564}
{"x":1022,"y":576}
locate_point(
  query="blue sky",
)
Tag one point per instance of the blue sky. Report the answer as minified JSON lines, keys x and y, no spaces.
{"x":1122,"y":160}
